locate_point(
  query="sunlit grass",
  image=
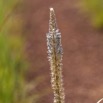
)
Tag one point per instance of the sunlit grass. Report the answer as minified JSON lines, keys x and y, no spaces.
{"x":94,"y":9}
{"x":12,"y":65}
{"x":13,"y":86}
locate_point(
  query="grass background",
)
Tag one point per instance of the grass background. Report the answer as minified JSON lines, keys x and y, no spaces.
{"x":12,"y":63}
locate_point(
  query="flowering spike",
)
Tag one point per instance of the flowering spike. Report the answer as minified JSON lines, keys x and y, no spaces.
{"x":55,"y":57}
{"x":52,"y":22}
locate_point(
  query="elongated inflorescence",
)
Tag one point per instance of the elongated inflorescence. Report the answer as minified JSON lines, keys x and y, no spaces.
{"x":55,"y":53}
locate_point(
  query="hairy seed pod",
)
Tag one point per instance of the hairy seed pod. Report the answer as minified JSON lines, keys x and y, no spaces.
{"x":55,"y":53}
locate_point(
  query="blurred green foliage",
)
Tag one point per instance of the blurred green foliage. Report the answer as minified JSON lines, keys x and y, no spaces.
{"x":11,"y":68}
{"x":95,"y":10}
{"x":6,"y":7}
{"x":13,"y":87}
{"x":12,"y":65}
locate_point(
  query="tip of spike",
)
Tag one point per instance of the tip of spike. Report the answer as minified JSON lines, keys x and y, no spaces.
{"x":52,"y":21}
{"x":51,"y":9}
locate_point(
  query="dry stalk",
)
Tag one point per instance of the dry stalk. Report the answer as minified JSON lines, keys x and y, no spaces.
{"x":55,"y":53}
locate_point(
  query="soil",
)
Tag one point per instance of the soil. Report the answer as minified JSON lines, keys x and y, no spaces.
{"x":83,"y":50}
